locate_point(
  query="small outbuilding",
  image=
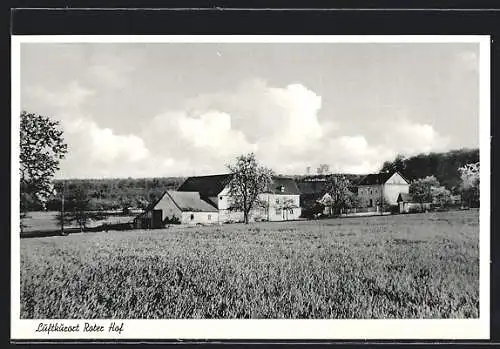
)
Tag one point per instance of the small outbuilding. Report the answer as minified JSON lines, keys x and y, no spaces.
{"x":407,"y":204}
{"x":179,"y":207}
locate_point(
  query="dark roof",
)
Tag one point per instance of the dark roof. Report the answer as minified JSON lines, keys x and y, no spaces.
{"x":312,"y":187}
{"x":405,"y":197}
{"x":288,"y":184}
{"x":378,"y":178}
{"x":207,"y":186}
{"x":210,"y":186}
{"x":190,"y":201}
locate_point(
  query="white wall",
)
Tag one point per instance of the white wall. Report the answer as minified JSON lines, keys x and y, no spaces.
{"x":168,"y":207}
{"x":391,"y":192}
{"x":391,"y":189}
{"x":222,"y":200}
{"x":275,"y":202}
{"x":395,"y":185}
{"x":200,"y":217}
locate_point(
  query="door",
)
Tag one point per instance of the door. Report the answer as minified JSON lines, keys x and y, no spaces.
{"x":157,"y":219}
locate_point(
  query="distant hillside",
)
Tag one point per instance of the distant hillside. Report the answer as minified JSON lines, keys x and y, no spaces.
{"x":114,"y":193}
{"x":118,"y":193}
{"x":444,"y":166}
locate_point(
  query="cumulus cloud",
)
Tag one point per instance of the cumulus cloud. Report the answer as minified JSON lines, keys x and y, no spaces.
{"x":105,"y":146}
{"x":213,"y":130}
{"x":413,"y":138}
{"x":282,"y":125}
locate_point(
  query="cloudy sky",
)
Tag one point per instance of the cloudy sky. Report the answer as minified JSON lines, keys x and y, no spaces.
{"x":166,"y":109}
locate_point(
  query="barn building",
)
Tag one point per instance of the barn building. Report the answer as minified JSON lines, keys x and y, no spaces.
{"x":385,"y":187}
{"x":181,"y":207}
{"x":407,"y":204}
{"x":206,"y":200}
{"x":281,"y":199}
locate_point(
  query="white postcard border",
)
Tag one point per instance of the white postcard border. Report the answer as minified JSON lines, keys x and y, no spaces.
{"x":263,"y":329}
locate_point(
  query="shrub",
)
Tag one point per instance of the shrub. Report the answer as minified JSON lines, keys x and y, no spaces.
{"x":172,"y":220}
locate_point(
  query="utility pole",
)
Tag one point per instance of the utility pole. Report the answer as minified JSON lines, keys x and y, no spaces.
{"x":381,"y":192}
{"x":62,"y":206}
{"x":381,"y":198}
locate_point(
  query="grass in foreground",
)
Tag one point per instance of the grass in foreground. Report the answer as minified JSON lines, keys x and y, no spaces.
{"x":405,"y":266}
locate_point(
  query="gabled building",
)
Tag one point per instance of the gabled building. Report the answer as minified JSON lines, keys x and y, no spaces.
{"x":407,"y":204}
{"x":313,"y":194}
{"x":382,"y":187}
{"x":281,"y":200}
{"x":181,"y":207}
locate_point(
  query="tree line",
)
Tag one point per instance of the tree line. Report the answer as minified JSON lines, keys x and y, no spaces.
{"x":443,"y":166}
{"x":42,"y":147}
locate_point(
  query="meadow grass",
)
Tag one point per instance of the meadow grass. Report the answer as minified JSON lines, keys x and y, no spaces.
{"x":402,"y":266}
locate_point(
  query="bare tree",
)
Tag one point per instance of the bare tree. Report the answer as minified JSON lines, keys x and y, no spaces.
{"x":287,"y":206}
{"x":248,"y":180}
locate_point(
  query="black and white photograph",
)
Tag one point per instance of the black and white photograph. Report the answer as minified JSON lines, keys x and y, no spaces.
{"x":223,"y":178}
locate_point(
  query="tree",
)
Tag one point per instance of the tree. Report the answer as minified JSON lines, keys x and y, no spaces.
{"x":469,"y":186}
{"x":42,"y":147}
{"x":248,"y":180}
{"x":441,"y":196}
{"x":287,"y":206}
{"x":399,"y":164}
{"x":421,"y":189}
{"x":77,"y":204}
{"x":340,"y":196}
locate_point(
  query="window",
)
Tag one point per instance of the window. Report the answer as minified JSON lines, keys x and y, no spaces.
{"x":371,"y":192}
{"x":370,"y":203}
{"x":209,"y":217}
{"x":291,"y":211}
{"x":192,"y":216}
{"x":220,"y":197}
{"x":278,"y":211}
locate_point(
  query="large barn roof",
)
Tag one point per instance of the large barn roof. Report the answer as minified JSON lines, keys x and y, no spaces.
{"x":207,"y":186}
{"x":312,"y":187}
{"x":190,"y":201}
{"x":210,"y":186}
{"x":288,"y":184}
{"x":378,"y":178}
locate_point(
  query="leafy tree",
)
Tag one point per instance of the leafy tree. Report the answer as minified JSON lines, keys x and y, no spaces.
{"x":421,"y":189}
{"x":398,"y":164}
{"x":339,"y":196}
{"x":42,"y":147}
{"x":248,"y":180}
{"x":441,"y":195}
{"x":469,"y":175}
{"x":441,"y":165}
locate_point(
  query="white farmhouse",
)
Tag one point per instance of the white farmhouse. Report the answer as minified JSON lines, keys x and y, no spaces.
{"x":206,"y":200}
{"x":385,"y":187}
{"x":281,"y":199}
